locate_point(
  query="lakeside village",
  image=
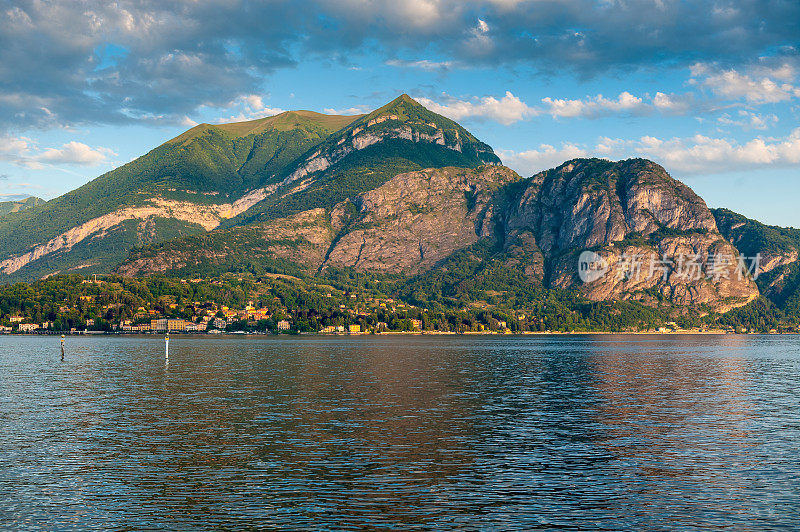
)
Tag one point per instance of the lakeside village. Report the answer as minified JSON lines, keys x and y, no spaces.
{"x":284,"y":304}
{"x":280,"y":304}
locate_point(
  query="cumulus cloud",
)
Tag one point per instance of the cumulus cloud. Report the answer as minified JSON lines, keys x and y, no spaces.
{"x":756,"y":89}
{"x":22,"y":151}
{"x":510,"y":108}
{"x":707,"y":155}
{"x":546,"y":156}
{"x":66,"y":62}
{"x":76,"y":153}
{"x":597,"y":106}
{"x":248,"y":107}
{"x":358,"y":110}
{"x":748,"y":120}
{"x":695,"y":155}
{"x":506,"y":110}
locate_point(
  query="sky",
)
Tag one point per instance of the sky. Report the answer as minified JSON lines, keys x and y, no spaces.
{"x":708,"y":89}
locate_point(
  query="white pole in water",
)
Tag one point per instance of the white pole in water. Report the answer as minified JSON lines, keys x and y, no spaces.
{"x":62,"y":346}
{"x":166,"y":346}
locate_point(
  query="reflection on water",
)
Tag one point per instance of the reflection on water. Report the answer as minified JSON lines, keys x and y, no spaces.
{"x":583,"y":432}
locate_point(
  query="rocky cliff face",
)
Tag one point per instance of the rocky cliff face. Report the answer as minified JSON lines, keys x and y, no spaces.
{"x":418,"y":218}
{"x":635,"y":217}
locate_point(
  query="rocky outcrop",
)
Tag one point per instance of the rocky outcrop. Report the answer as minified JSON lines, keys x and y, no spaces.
{"x":418,"y":218}
{"x":654,"y":239}
{"x":631,"y":214}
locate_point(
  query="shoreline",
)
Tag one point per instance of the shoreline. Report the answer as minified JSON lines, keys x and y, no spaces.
{"x":180,"y":334}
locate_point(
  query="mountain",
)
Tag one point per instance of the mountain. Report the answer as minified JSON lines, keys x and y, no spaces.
{"x":412,"y":198}
{"x":20,"y":204}
{"x":399,"y":137}
{"x":533,"y":228}
{"x":407,"y":225}
{"x":231,"y":175}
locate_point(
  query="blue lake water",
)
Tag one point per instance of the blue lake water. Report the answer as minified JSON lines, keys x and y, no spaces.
{"x":428,"y":432}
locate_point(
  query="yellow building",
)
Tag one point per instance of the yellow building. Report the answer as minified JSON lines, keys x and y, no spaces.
{"x":355,"y":328}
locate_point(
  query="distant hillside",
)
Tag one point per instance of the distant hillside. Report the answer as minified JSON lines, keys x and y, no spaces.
{"x":779,"y":249}
{"x":7,"y":207}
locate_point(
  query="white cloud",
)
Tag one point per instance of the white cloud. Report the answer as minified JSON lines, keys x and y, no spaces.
{"x":597,"y":106}
{"x":546,"y":156}
{"x":748,"y":120}
{"x":758,"y":88}
{"x":76,"y":153}
{"x":669,"y":103}
{"x":358,"y":110}
{"x":10,"y":146}
{"x":701,"y":154}
{"x":247,"y":107}
{"x":21,"y":151}
{"x":424,"y":64}
{"x":506,"y":110}
{"x":696,"y":155}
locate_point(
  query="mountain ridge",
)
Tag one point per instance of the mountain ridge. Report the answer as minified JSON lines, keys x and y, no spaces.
{"x":401,"y":192}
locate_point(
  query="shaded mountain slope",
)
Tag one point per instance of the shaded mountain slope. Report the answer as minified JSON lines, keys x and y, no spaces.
{"x":779,"y":250}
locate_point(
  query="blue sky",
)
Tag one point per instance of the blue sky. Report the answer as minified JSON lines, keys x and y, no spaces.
{"x":709,"y":89}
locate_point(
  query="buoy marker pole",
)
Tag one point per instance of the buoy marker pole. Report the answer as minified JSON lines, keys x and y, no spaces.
{"x":62,"y":347}
{"x":166,"y":346}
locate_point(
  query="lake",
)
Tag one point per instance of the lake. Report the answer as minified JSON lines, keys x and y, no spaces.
{"x":430,"y":432}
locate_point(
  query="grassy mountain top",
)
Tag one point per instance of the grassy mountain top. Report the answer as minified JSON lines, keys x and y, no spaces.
{"x":286,"y":121}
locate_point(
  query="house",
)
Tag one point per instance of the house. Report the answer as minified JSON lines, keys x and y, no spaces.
{"x":176,"y":325}
{"x":4,"y":329}
{"x":355,"y":328}
{"x":27,"y":327}
{"x":328,"y":329}
{"x":284,"y":325}
{"x":220,"y":323}
{"x":16,"y":319}
{"x":416,"y":325}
